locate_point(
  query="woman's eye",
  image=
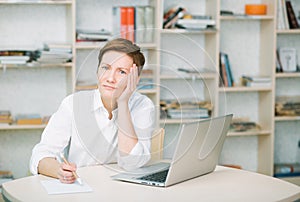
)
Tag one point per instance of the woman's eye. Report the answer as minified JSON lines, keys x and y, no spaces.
{"x":122,"y":72}
{"x":105,"y":67}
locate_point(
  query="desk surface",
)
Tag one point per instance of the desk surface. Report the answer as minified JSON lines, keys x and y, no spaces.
{"x":224,"y":184}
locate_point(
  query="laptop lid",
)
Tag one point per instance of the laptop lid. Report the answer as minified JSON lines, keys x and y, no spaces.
{"x":197,"y":153}
{"x":198,"y":149}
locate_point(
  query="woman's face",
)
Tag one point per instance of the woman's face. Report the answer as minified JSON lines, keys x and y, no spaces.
{"x":112,"y":74}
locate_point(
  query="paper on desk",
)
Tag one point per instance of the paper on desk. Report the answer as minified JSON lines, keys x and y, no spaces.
{"x":56,"y":187}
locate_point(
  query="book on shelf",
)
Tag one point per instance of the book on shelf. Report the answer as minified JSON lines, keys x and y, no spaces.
{"x":226,"y":75}
{"x":145,"y":83}
{"x":172,"y":15}
{"x":287,"y":106}
{"x":5,"y":117}
{"x":134,"y":23}
{"x":185,"y":109}
{"x":5,"y":176}
{"x":195,"y":24}
{"x":149,"y":24}
{"x":286,"y":169}
{"x":256,"y":81}
{"x":292,"y":19}
{"x":288,"y":59}
{"x":243,"y":125}
{"x":28,"y":119}
{"x":93,"y":35}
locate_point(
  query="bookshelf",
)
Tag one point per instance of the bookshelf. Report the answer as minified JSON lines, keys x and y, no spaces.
{"x":195,"y":50}
{"x":286,"y":149}
{"x":32,"y":87}
{"x":249,"y":54}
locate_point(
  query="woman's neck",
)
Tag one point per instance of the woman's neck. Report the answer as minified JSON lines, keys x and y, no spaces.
{"x":109,"y":105}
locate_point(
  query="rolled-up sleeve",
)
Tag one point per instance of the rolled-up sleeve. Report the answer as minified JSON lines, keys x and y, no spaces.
{"x":143,"y":118}
{"x":55,"y":137}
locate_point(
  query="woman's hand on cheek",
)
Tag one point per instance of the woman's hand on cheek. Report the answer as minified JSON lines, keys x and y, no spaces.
{"x":132,"y":81}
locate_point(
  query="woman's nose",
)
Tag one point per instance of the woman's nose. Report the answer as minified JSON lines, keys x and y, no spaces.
{"x":111,"y":76}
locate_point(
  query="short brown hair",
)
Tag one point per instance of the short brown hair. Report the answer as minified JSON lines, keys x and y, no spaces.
{"x":124,"y":46}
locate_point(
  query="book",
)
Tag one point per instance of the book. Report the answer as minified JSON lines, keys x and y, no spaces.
{"x":285,"y":17}
{"x":139,"y":24}
{"x":225,"y":71}
{"x":195,"y":24}
{"x":288,"y":59}
{"x":280,"y":16}
{"x":171,"y":19}
{"x":286,"y":169}
{"x":29,"y":119}
{"x":149,"y":24}
{"x":130,"y":24}
{"x":120,"y":21}
{"x":293,"y":23}
{"x":256,"y":81}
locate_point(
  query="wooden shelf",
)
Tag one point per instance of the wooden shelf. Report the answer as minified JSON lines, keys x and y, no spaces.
{"x":21,"y":127}
{"x":287,"y":118}
{"x":98,"y":45}
{"x":189,"y":76}
{"x":244,"y":89}
{"x":288,"y":31}
{"x":247,"y":17}
{"x":288,"y":75}
{"x":36,"y":2}
{"x":250,"y":133}
{"x":36,"y":65}
{"x":184,"y":31}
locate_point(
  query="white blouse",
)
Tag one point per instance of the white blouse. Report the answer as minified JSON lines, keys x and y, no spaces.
{"x":92,"y":147}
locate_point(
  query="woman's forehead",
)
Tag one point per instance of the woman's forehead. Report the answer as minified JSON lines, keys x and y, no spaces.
{"x":118,"y":59}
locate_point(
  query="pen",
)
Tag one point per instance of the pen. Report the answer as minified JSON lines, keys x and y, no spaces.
{"x":74,"y":173}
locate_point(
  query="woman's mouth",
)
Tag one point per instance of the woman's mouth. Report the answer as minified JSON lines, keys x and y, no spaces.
{"x":107,"y":87}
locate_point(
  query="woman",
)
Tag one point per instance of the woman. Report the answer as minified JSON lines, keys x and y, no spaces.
{"x":111,"y":124}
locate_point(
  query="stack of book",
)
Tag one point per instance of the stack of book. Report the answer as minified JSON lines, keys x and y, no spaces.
{"x":5,"y":117}
{"x":243,"y":125}
{"x":55,"y":53}
{"x":134,"y":23}
{"x":286,"y":169}
{"x":256,"y":81}
{"x":92,"y":35}
{"x":16,"y":56}
{"x":196,"y":23}
{"x":5,"y":176}
{"x":287,"y":106}
{"x":29,"y":119}
{"x":185,"y":110}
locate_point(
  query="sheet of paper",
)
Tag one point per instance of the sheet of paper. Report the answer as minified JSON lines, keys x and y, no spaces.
{"x":56,"y":187}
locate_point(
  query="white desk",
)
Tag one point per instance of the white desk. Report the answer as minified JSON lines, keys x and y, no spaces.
{"x":224,"y":184}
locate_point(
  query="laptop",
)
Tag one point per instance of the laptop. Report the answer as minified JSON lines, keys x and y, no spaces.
{"x":197,"y":153}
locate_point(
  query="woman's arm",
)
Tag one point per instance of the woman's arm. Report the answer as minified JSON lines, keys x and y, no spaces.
{"x":51,"y":167}
{"x":127,"y":137}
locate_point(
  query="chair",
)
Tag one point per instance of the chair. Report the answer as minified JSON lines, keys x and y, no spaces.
{"x":157,"y":143}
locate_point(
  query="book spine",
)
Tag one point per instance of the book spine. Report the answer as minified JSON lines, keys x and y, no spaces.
{"x":285,"y":18}
{"x":293,"y":23}
{"x":149,"y":24}
{"x":139,"y":24}
{"x":223,"y":70}
{"x":228,"y":71}
{"x":123,"y":20}
{"x":130,"y":24}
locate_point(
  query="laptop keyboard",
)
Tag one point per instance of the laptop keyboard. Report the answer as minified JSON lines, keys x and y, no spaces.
{"x":156,"y":177}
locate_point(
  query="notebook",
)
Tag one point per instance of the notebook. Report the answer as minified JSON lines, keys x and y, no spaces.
{"x":197,"y":153}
